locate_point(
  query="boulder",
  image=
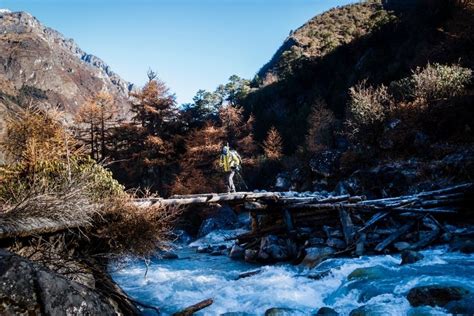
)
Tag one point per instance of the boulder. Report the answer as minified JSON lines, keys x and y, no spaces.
{"x":319,"y":275}
{"x":204,"y":249}
{"x":182,"y":237}
{"x":336,"y":243}
{"x":282,"y":182}
{"x":401,"y":245}
{"x":27,"y":288}
{"x":316,"y":241}
{"x":280,"y":311}
{"x":464,"y":245}
{"x":371,"y":310}
{"x":436,"y":295}
{"x":237,"y":252}
{"x":250,"y":255}
{"x":316,"y":255}
{"x":273,"y":248}
{"x":464,"y":306}
{"x":223,"y":218}
{"x":410,"y":256}
{"x":370,"y":273}
{"x":168,"y":255}
{"x":327,"y":311}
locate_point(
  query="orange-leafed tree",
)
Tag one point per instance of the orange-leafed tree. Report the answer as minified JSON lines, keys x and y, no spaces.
{"x":199,"y":165}
{"x":321,"y":124}
{"x":273,"y":145}
{"x":148,"y":148}
{"x":95,"y":119}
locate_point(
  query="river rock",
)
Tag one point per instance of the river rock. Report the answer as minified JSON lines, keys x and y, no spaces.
{"x":327,"y":311}
{"x":370,"y":273}
{"x":237,"y":252}
{"x":27,"y":288}
{"x":315,"y":241}
{"x":168,"y":255}
{"x":182,"y":237}
{"x":273,"y":248}
{"x":401,"y":245}
{"x":371,"y":310}
{"x":280,"y":311}
{"x":336,"y":243}
{"x":319,"y":275}
{"x":410,"y":256}
{"x":236,"y":314}
{"x":464,"y":306}
{"x":204,"y":249}
{"x":250,"y":255}
{"x":435,"y":295}
{"x":316,"y":255}
{"x":464,"y":245}
{"x":224,"y":217}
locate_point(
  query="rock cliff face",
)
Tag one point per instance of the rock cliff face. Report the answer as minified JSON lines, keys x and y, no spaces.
{"x":32,"y":55}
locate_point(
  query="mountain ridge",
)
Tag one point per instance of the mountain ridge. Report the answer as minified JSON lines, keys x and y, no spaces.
{"x":32,"y":50}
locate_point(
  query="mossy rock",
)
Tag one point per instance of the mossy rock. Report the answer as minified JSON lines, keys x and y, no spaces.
{"x":370,"y":273}
{"x":436,"y":295}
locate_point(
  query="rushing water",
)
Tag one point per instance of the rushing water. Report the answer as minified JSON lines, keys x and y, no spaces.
{"x":177,"y":283}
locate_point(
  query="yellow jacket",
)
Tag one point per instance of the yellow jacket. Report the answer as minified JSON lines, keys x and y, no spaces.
{"x":230,"y":160}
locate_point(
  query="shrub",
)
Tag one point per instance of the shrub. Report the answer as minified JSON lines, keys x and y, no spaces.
{"x":369,"y":105}
{"x":439,"y":81}
{"x":125,"y":228}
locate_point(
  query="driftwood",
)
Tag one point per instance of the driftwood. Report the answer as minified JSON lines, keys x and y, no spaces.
{"x":194,"y":308}
{"x":402,"y":230}
{"x":248,"y":274}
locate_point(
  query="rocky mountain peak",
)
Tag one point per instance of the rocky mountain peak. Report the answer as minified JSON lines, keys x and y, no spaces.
{"x":34,"y":55}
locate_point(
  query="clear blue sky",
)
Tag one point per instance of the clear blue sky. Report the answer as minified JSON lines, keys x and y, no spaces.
{"x":192,"y":44}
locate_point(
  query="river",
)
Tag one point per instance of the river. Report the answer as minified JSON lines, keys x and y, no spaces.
{"x":173,"y":284}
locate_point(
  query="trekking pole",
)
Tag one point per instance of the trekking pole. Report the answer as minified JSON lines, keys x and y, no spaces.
{"x":242,"y":180}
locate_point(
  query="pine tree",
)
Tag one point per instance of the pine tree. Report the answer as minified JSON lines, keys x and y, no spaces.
{"x":148,"y":147}
{"x":87,"y":119}
{"x":273,"y":145}
{"x":95,"y":118}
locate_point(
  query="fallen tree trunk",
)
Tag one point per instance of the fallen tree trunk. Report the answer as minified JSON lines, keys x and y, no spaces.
{"x":194,"y":308}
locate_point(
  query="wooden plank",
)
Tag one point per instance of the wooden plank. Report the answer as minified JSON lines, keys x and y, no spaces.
{"x":425,"y":241}
{"x":360,"y":244}
{"x":399,"y":232}
{"x":288,"y":219}
{"x":347,"y":226}
{"x":374,"y":219}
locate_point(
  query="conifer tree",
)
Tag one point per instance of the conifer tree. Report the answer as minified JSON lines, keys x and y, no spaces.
{"x":320,"y":128}
{"x":273,"y":144}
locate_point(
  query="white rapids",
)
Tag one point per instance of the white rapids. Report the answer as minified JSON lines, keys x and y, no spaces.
{"x":175,"y":284}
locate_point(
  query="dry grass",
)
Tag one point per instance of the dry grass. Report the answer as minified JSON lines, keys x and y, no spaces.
{"x":41,"y":210}
{"x":132,"y":229}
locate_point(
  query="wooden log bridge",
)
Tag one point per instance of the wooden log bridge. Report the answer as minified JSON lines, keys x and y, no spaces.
{"x":349,"y":224}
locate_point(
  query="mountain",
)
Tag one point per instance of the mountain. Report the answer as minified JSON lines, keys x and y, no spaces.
{"x":39,"y":61}
{"x":377,"y":41}
{"x":324,"y":33}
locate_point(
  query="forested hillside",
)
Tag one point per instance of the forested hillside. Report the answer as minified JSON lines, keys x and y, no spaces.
{"x":335,"y":51}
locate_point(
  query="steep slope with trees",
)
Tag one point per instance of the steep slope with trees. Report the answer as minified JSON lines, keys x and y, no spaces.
{"x":338,"y":49}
